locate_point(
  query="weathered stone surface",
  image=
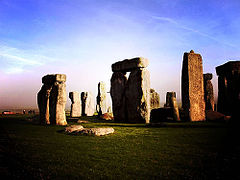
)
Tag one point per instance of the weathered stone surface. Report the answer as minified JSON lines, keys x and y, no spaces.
{"x":73,"y":128}
{"x":101,"y":98}
{"x":174,"y":106}
{"x":154,"y":99}
{"x":106,"y":116}
{"x":76,"y":108}
{"x":208,"y":92}
{"x":229,"y":89}
{"x":117,"y":92}
{"x":168,"y":98}
{"x":87,"y":104}
{"x":52,"y":99}
{"x":192,"y":86}
{"x":43,"y":104}
{"x":138,"y":96}
{"x":96,"y":131}
{"x":130,"y":64}
{"x":58,"y":99}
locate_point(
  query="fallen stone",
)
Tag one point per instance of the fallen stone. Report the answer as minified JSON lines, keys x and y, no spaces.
{"x":73,"y":128}
{"x":106,"y":116}
{"x":130,"y":64}
{"x":95,"y":131}
{"x":216,"y":116}
{"x":81,"y":121}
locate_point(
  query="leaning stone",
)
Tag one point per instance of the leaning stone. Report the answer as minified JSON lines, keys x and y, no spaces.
{"x":96,"y":131}
{"x":87,"y":104}
{"x":117,"y":92}
{"x":154,"y":99}
{"x":76,"y":109}
{"x":168,"y":98}
{"x":192,"y":87}
{"x":73,"y":128}
{"x":138,"y":96}
{"x":101,"y":98}
{"x":208,"y":92}
{"x":173,"y":104}
{"x":130,"y":64}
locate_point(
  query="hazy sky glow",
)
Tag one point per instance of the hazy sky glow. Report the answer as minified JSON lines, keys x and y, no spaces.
{"x":82,"y":38}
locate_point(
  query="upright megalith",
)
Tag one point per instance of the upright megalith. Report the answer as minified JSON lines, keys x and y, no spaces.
{"x":101,"y":98}
{"x":117,"y":92}
{"x":52,"y":99}
{"x":173,"y":104}
{"x":131,"y":97}
{"x":208,"y":92}
{"x":192,"y":86}
{"x":229,"y":88}
{"x":76,"y":109}
{"x":169,"y":97}
{"x":87,"y":104}
{"x":154,"y":99}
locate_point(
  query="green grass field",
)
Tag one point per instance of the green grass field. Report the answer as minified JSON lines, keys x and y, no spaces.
{"x":199,"y":150}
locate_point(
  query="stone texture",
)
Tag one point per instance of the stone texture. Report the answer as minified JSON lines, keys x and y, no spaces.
{"x":138,"y":96}
{"x":229,"y":89}
{"x":154,"y":99}
{"x":96,"y":131}
{"x":76,"y":108}
{"x":52,"y":99}
{"x":192,"y":87}
{"x":87,"y":104}
{"x":130,"y":64}
{"x":73,"y":128}
{"x":208,"y":92}
{"x":117,"y":92}
{"x":101,"y":99}
{"x":174,"y":106}
{"x":168,"y":98}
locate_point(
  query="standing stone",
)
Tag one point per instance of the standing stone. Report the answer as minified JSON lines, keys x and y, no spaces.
{"x":208,"y":92}
{"x":138,"y":96}
{"x":154,"y":99}
{"x":192,"y":86}
{"x":229,"y":89}
{"x":169,"y":97}
{"x":43,"y":103}
{"x":101,"y":98}
{"x":117,"y":92}
{"x":87,"y":104}
{"x":174,"y":106}
{"x":52,"y":99}
{"x":76,"y":109}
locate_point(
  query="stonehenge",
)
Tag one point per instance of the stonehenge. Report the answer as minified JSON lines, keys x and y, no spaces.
{"x":208,"y":92}
{"x":154,"y":99}
{"x":169,"y":96}
{"x":76,"y":109}
{"x":52,"y":99}
{"x":87,"y":104}
{"x":229,"y":88}
{"x":192,"y":86}
{"x":101,"y":99}
{"x":131,"y":97}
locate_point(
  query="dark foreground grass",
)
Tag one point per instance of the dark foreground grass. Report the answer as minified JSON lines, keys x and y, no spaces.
{"x":134,"y":151}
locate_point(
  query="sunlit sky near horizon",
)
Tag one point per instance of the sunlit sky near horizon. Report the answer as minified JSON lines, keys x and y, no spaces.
{"x":82,"y":38}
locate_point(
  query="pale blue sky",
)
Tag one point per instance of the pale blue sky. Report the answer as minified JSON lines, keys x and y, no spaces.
{"x":82,"y":38}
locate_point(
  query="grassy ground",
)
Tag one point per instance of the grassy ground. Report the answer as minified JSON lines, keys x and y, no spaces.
{"x":135,"y":151}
